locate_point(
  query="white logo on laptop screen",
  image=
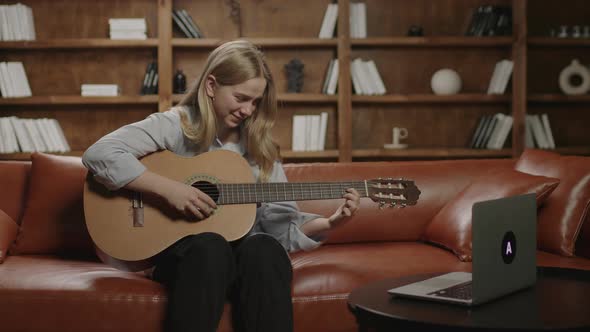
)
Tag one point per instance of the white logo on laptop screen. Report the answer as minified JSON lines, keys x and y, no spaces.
{"x":508,"y":247}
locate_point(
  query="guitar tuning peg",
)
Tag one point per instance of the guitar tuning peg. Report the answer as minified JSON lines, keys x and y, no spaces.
{"x":403,"y":205}
{"x":381,"y":205}
{"x":392,"y":204}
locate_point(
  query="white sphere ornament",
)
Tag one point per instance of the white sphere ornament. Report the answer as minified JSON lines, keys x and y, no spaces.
{"x":445,"y":82}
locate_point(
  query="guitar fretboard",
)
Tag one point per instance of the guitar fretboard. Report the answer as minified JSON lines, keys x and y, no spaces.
{"x":233,"y":193}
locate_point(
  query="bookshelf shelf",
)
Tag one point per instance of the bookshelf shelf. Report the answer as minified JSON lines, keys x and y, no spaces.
{"x":431,"y":153}
{"x":574,"y":150}
{"x":78,"y":43}
{"x":432,"y":99}
{"x":444,"y":41}
{"x":558,"y":98}
{"x":79,"y":100}
{"x":209,"y":43}
{"x":558,"y":42}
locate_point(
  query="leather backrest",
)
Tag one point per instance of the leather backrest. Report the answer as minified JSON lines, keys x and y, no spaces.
{"x":439,"y":181}
{"x":14,"y":180}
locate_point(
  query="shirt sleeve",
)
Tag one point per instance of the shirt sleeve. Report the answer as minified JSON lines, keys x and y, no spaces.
{"x":283,"y":220}
{"x":113,"y":159}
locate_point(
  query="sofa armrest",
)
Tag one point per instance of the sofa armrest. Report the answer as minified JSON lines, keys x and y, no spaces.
{"x":8,"y":230}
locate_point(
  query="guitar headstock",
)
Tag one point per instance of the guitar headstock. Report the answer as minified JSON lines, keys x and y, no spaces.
{"x":393,"y":192}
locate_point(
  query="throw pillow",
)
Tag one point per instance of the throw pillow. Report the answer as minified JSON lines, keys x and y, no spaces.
{"x":8,"y":229}
{"x":564,"y":213}
{"x":451,"y":226}
{"x":53,"y":219}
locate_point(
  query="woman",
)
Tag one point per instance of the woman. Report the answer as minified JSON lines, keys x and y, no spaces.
{"x":231,"y":106}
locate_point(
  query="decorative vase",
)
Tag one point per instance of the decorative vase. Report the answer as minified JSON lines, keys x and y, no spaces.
{"x":445,"y":82}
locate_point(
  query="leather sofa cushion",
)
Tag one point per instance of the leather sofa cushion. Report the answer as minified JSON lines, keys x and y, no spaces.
{"x":451,"y":227}
{"x":8,"y":229}
{"x":567,"y":208}
{"x":53,"y":219}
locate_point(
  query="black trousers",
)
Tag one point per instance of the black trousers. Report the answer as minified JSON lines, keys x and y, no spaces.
{"x":202,"y":271}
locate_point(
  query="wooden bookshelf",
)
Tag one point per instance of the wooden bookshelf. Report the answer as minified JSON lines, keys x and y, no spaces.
{"x":73,"y":48}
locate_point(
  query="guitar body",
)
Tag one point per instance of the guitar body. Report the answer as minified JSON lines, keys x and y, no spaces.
{"x":129,"y":230}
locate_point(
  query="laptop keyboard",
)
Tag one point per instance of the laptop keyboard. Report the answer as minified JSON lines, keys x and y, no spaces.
{"x":460,"y":291}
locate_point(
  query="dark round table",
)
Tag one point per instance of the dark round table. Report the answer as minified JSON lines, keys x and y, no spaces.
{"x":559,"y":301}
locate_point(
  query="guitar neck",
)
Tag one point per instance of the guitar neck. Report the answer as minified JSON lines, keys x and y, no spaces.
{"x":234,"y":193}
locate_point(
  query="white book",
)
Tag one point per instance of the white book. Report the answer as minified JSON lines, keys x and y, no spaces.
{"x":55,"y":137}
{"x":21,"y":135}
{"x":12,"y":22}
{"x":314,"y":144}
{"x":9,"y":136}
{"x":298,"y":136}
{"x":503,"y":133}
{"x":44,"y":135}
{"x":3,"y":137}
{"x":506,"y":73}
{"x":365,"y":80}
{"x":353,"y":20}
{"x":362,"y":19}
{"x":25,"y":81}
{"x":538,"y":133}
{"x":10,"y":90}
{"x":35,"y":135}
{"x":548,"y":132}
{"x":3,"y":83}
{"x":495,"y":131}
{"x":31,"y":24}
{"x":24,"y":21}
{"x":327,"y":76}
{"x":323,"y":130}
{"x":492,"y":87}
{"x":356,"y":79}
{"x":375,"y":77}
{"x":330,"y":17}
{"x":4,"y":22}
{"x":307,"y":138}
{"x":62,"y":136}
{"x":16,"y":82}
{"x":333,"y":78}
{"x":128,"y":35}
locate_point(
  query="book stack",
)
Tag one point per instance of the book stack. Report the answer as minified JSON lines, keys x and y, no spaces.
{"x":185,"y":23}
{"x":331,"y":79}
{"x":30,"y":135}
{"x":13,"y":80}
{"x":500,"y":77}
{"x":16,"y":22}
{"x":365,"y":78}
{"x":492,"y":132}
{"x":490,"y":20}
{"x":538,"y":132}
{"x":128,"y":28}
{"x":358,"y":20}
{"x":150,"y":80}
{"x":309,"y":132}
{"x":100,"y":90}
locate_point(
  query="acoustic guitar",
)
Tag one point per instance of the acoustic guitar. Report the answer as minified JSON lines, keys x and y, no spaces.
{"x":129,"y":226}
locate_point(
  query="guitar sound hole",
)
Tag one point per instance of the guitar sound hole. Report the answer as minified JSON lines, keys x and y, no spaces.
{"x":208,"y":188}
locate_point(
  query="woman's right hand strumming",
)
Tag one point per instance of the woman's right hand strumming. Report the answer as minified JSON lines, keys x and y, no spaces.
{"x":187,"y":200}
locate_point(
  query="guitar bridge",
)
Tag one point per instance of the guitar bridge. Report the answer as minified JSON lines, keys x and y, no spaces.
{"x":137,"y":206}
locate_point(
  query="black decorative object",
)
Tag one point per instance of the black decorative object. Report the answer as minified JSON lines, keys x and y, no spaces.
{"x":235,"y":14}
{"x":294,"y":71}
{"x":179,"y":82}
{"x":415,"y":31}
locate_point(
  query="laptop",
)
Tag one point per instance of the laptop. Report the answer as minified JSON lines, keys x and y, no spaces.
{"x":504,"y":241}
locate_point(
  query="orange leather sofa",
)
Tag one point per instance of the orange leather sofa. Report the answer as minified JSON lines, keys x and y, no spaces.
{"x":51,"y":279}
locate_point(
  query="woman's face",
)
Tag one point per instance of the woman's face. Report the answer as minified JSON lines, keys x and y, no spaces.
{"x":235,"y":103}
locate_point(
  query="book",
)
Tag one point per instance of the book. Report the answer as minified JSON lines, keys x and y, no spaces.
{"x":548,"y":132}
{"x":329,"y":22}
{"x":189,"y":23}
{"x":327,"y":76}
{"x":333,"y":84}
{"x":181,"y":26}
{"x":477,"y":132}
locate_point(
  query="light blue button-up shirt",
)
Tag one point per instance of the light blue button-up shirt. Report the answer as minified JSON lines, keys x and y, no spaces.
{"x":113,"y":160}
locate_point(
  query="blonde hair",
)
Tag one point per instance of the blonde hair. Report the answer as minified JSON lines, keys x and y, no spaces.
{"x":233,"y":63}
